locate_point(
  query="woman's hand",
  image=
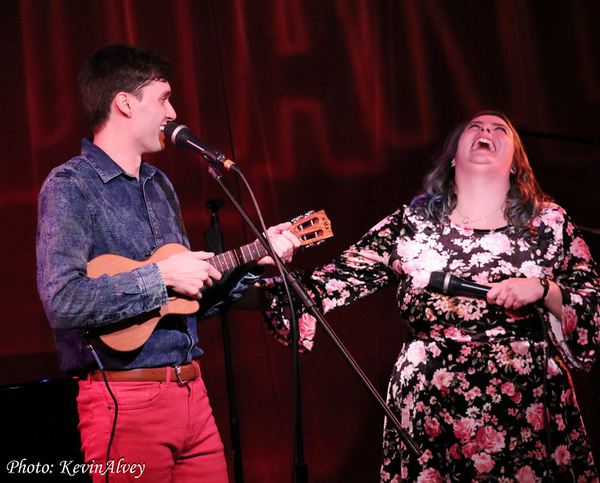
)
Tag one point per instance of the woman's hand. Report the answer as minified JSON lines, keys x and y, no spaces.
{"x":514,"y":293}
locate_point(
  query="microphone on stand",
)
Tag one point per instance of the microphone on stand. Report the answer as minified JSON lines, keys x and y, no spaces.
{"x":180,"y":135}
{"x":446,"y":283}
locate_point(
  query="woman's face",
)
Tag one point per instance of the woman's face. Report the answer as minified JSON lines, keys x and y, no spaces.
{"x":486,"y":143}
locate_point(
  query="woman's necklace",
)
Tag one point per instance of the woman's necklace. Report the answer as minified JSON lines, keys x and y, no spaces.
{"x":467,"y":220}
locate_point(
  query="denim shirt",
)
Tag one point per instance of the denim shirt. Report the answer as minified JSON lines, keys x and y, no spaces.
{"x":87,"y":207}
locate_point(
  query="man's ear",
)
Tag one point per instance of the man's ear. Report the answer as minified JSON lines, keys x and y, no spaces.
{"x":122,"y":103}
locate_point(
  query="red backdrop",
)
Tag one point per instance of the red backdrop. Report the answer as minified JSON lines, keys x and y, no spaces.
{"x":335,"y":105}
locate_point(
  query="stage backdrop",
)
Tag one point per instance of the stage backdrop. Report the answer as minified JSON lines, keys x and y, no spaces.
{"x":324,"y":104}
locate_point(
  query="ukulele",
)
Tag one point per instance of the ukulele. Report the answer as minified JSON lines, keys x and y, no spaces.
{"x":311,"y":229}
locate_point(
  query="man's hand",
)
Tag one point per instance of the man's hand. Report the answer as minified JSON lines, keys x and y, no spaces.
{"x":188,"y":272}
{"x":284,"y":243}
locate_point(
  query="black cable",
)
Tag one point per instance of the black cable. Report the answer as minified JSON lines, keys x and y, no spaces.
{"x":114,"y":425}
{"x":546,"y":344}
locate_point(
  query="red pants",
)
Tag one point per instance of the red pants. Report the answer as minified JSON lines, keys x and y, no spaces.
{"x":165,"y":432}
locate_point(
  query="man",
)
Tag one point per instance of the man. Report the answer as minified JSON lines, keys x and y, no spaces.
{"x":147,"y":405}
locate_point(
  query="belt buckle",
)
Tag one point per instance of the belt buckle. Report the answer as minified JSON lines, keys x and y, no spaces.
{"x":178,"y":375}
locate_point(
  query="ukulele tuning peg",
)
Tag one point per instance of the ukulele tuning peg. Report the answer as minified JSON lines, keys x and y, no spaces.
{"x":315,"y":243}
{"x":298,"y":218}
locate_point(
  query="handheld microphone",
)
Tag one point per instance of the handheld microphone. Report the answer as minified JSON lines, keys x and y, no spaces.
{"x":180,"y":135}
{"x":447,"y":283}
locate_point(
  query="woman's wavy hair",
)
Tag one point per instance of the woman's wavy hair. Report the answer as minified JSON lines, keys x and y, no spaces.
{"x":524,"y":199}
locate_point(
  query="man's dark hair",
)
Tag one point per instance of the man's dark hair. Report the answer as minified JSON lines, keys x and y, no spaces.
{"x":118,"y":68}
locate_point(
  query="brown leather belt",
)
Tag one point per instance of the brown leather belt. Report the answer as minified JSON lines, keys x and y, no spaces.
{"x":187,"y":372}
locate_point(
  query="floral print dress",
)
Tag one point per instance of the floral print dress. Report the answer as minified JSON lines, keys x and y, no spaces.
{"x":485,"y":392}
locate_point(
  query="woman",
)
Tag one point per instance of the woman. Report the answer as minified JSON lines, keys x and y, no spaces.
{"x":481,"y":384}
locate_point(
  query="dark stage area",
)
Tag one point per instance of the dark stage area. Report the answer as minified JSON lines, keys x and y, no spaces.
{"x":41,"y":438}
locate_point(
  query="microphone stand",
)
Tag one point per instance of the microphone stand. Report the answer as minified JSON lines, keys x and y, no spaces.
{"x":300,"y":467}
{"x":213,"y":238}
{"x":311,"y":307}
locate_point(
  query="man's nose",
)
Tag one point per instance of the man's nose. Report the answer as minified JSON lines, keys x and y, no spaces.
{"x":171,"y":114}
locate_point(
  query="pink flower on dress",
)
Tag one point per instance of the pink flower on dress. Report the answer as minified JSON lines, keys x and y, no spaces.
{"x":421,"y":278}
{"x":429,"y":475}
{"x":405,"y":416}
{"x":469,"y":449}
{"x":430,"y":261}
{"x":454,"y":451}
{"x":329,"y":268}
{"x":580,"y":250}
{"x":496,"y":243}
{"x":583,"y":337}
{"x":535,"y":416}
{"x":490,"y":440}
{"x":483,"y":462}
{"x":434,"y":350}
{"x":552,"y":217}
{"x":409,"y":249}
{"x":307,"y":325}
{"x":466,"y":350}
{"x":508,"y":388}
{"x":465,"y":428}
{"x":442,"y":379}
{"x":561,"y":455}
{"x":369,"y":256}
{"x":552,"y":368}
{"x":569,"y":319}
{"x":416,"y":352}
{"x":328,"y":304}
{"x":454,"y":334}
{"x":525,"y":475}
{"x":335,"y":286}
{"x":432,"y":427}
{"x":520,"y":347}
{"x":425,"y":457}
{"x":530,"y":269}
{"x":473,"y":393}
{"x":491,"y":333}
